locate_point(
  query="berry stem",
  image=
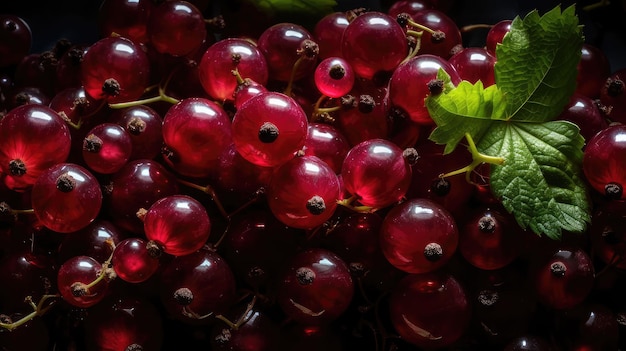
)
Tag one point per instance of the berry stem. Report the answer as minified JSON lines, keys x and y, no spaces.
{"x":103,"y":273}
{"x":161,"y":97}
{"x":242,"y":319}
{"x":318,"y":111}
{"x":292,"y":77}
{"x":38,"y":310}
{"x":418,"y":44}
{"x":478,"y":158}
{"x":421,"y":27}
{"x":471,"y":27}
{"x":211,"y":192}
{"x":238,"y":76}
{"x":597,"y":5}
{"x":360,"y":209}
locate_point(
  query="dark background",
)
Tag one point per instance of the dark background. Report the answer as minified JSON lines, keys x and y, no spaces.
{"x":76,"y":20}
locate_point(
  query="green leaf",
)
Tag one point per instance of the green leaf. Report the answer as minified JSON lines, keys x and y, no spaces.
{"x":537,"y":62}
{"x":536,"y":162}
{"x":313,"y":8}
{"x":540,"y":181}
{"x":466,"y":109}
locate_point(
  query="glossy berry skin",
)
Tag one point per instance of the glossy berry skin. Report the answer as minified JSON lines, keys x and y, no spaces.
{"x":179,"y":223}
{"x":196,"y":131}
{"x":604,"y":160}
{"x":106,"y":148}
{"x":132,"y":261}
{"x":303,"y":192}
{"x":15,"y":39}
{"x":145,"y":128}
{"x":316,"y":287}
{"x":247,"y":90}
{"x":369,"y":119}
{"x":408,"y":86}
{"x":91,"y":241}
{"x":280,"y":44}
{"x":119,"y":322}
{"x":137,"y":185}
{"x":258,"y":333}
{"x":66,"y":197}
{"x":593,"y":70}
{"x":115,"y":69}
{"x":209,"y":278}
{"x":176,"y":28}
{"x":583,"y":111}
{"x":418,"y":236}
{"x":32,"y":138}
{"x":269,"y":149}
{"x":328,"y":32}
{"x":453,"y":193}
{"x":373,"y":43}
{"x":474,"y":64}
{"x":327,"y":143}
{"x":495,"y":35}
{"x":237,"y":180}
{"x":29,"y":274}
{"x":565,"y":279}
{"x":376,"y":173}
{"x":489,"y":239}
{"x":81,"y":269}
{"x":430,"y":310}
{"x":410,"y":7}
{"x":127,"y":18}
{"x":334,"y":77}
{"x":438,"y":21}
{"x":224,"y":56}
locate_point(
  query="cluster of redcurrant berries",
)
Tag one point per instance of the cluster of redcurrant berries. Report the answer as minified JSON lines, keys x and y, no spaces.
{"x":170,"y":184}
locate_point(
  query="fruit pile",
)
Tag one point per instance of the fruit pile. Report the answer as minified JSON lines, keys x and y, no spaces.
{"x":365,"y":182}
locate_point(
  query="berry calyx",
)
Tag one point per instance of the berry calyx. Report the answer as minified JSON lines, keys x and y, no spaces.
{"x":337,"y":72}
{"x":155,"y":250}
{"x":366,"y":103}
{"x":558,"y":269}
{"x":136,"y":126}
{"x":316,"y":205}
{"x":487,"y":224}
{"x":305,"y":275}
{"x":433,"y":252}
{"x":268,"y":133}
{"x":65,"y":183}
{"x":92,"y":143}
{"x":613,"y":191}
{"x":17,"y":167}
{"x":435,"y":87}
{"x":183,"y":296}
{"x":614,"y":87}
{"x":111,"y":87}
{"x":411,"y":156}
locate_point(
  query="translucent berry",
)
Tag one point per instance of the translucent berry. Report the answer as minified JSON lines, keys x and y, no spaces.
{"x":66,"y":197}
{"x":269,"y":129}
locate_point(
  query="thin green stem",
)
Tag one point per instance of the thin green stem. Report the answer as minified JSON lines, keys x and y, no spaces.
{"x":292,"y":77}
{"x":421,"y":27}
{"x":348,"y":203}
{"x":418,"y":44}
{"x":472,"y":27}
{"x":211,"y":192}
{"x":597,"y":5}
{"x":478,"y":158}
{"x":38,"y":310}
